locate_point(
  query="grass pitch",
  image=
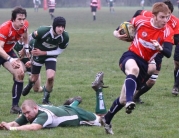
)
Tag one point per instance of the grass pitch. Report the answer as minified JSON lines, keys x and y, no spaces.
{"x":92,"y":49}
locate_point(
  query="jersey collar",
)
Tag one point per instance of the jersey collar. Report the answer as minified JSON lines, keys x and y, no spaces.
{"x":51,"y":32}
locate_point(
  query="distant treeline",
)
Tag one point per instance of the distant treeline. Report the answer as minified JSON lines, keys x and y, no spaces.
{"x":76,"y":3}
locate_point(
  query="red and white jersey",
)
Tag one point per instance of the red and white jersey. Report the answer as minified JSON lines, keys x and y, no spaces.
{"x":10,"y":35}
{"x":173,"y":21}
{"x":94,"y":3}
{"x":145,"y":32}
{"x":146,"y":13}
{"x":51,"y":3}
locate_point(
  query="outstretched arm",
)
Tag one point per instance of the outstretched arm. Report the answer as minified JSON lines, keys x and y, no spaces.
{"x":15,"y":126}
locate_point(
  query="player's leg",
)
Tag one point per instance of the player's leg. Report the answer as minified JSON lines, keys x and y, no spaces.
{"x":117,"y":105}
{"x":175,"y":89}
{"x":86,"y":117}
{"x":130,"y":68}
{"x":74,"y":101}
{"x":18,"y":76}
{"x":32,"y":79}
{"x":50,"y":75}
{"x":98,"y":86}
{"x":37,"y":85}
{"x":148,"y":83}
{"x":153,"y":70}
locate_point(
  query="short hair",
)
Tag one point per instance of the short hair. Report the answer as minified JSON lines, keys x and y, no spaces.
{"x":18,"y":10}
{"x":28,"y":102}
{"x":160,"y":7}
{"x":169,"y":4}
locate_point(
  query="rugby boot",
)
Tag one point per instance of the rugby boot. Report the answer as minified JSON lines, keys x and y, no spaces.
{"x":27,"y":89}
{"x":107,"y":127}
{"x":175,"y":91}
{"x":129,"y":107}
{"x":15,"y":109}
{"x":98,"y":82}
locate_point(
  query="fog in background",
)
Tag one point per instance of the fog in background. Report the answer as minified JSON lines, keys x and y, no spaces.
{"x":76,"y":3}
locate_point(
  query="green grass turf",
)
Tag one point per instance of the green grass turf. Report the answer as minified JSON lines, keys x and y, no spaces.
{"x":93,"y":48}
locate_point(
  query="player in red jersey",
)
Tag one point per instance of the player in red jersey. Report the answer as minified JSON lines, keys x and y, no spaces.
{"x":153,"y":35}
{"x":10,"y":32}
{"x":94,"y":6}
{"x":173,"y":22}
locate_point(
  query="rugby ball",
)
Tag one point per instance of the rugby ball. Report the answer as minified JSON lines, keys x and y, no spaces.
{"x":128,"y":29}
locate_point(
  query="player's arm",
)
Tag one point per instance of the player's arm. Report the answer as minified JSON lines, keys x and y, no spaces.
{"x":5,"y":125}
{"x":23,"y":127}
{"x":167,"y":49}
{"x":137,"y":13}
{"x":27,"y":127}
{"x":3,"y":54}
{"x":25,"y":38}
{"x":176,"y":39}
{"x":38,"y":52}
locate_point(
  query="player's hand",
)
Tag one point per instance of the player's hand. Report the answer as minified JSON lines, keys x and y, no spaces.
{"x":119,"y":36}
{"x":2,"y":127}
{"x":157,"y":45}
{"x":27,"y":53}
{"x":28,"y":64}
{"x":5,"y":126}
{"x":22,"y":53}
{"x":38,"y":52}
{"x":15,"y":62}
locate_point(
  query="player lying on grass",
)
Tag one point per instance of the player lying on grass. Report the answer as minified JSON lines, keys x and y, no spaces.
{"x":35,"y":117}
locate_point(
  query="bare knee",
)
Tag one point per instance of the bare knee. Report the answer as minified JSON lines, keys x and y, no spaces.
{"x":50,"y":80}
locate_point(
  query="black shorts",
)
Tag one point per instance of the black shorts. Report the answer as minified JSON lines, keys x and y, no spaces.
{"x":93,"y":8}
{"x":51,"y":10}
{"x":142,"y":64}
{"x":11,"y":53}
{"x":176,"y":53}
{"x":110,"y":4}
{"x":48,"y":65}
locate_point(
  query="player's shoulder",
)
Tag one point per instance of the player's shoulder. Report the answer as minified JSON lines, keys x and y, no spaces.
{"x":173,"y":17}
{"x":6,"y":24}
{"x":140,"y":19}
{"x":43,"y":29}
{"x":65,"y":34}
{"x":146,"y":13}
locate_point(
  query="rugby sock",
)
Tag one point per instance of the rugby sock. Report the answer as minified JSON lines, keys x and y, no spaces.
{"x":46,"y":95}
{"x":177,"y":79}
{"x":141,"y":91}
{"x":16,"y":92}
{"x":116,"y":106}
{"x":94,"y":17}
{"x":75,"y":103}
{"x":175,"y":74}
{"x":130,"y":86}
{"x":100,"y":105}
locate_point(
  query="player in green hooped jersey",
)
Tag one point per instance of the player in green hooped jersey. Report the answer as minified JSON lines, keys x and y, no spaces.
{"x":26,"y":61}
{"x":48,"y":116}
{"x":50,"y":41}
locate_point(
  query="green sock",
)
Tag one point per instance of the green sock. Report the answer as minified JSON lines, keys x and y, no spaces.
{"x":100,"y":105}
{"x":74,"y":103}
